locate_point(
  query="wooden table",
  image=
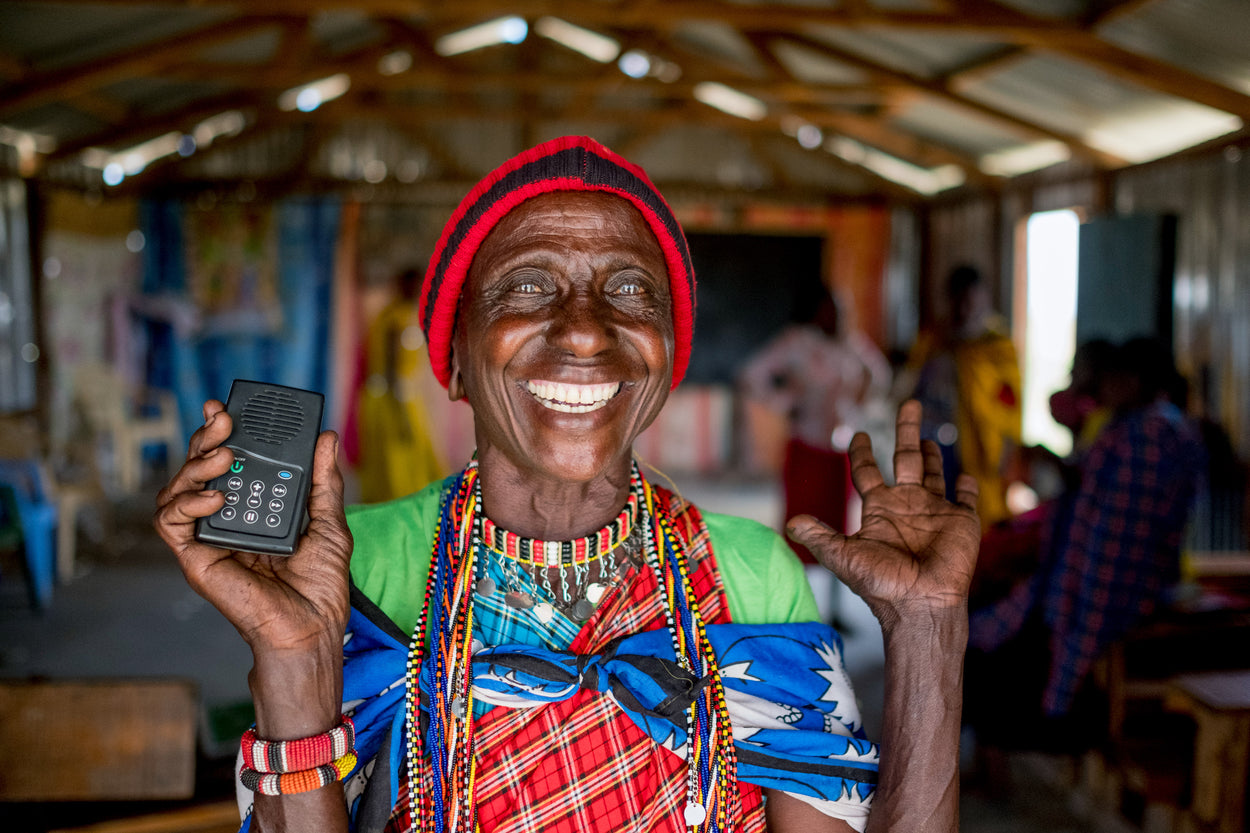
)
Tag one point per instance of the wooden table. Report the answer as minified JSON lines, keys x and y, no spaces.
{"x":1219,"y":702}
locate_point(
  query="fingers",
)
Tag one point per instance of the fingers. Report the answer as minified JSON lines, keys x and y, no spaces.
{"x":824,"y":542}
{"x":934,"y":476}
{"x":909,"y":463}
{"x":864,"y":471}
{"x":195,"y":473}
{"x":967,"y":491}
{"x":175,"y":521}
{"x":214,"y":432}
{"x":205,"y":459}
{"x":189,"y":507}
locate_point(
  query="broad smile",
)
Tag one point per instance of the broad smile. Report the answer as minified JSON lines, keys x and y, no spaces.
{"x":572,"y":399}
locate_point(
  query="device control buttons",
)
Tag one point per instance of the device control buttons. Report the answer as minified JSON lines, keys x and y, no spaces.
{"x":279,"y":490}
{"x":273,"y":520}
{"x":285,"y":475}
{"x":258,"y":486}
{"x":236,"y":466}
{"x":253,"y":501}
{"x":232,"y":498}
{"x":276,"y":505}
{"x":251,"y":516}
{"x":228,"y":513}
{"x":235,"y":483}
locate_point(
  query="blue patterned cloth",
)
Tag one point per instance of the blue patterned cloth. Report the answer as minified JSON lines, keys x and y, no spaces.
{"x":795,"y":722}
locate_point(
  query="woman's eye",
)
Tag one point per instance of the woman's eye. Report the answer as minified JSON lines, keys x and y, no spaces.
{"x":630,"y":286}
{"x":526,"y":287}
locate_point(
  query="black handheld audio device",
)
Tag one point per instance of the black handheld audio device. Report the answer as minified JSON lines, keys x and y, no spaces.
{"x":273,"y":437}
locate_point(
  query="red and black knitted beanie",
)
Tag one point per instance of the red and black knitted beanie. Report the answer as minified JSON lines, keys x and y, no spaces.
{"x":570,"y":163}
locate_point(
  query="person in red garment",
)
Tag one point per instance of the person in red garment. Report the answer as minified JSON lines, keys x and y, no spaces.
{"x":547,"y":640}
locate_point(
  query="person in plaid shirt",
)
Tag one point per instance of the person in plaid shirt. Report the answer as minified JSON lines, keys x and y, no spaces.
{"x":1110,"y":556}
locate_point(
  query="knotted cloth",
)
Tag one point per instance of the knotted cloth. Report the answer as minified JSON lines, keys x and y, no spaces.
{"x":796,"y":725}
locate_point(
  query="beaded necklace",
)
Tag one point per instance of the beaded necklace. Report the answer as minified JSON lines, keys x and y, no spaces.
{"x":440,"y":750}
{"x":577,"y":598}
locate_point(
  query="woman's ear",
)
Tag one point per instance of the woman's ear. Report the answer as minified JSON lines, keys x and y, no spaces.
{"x":455,"y":383}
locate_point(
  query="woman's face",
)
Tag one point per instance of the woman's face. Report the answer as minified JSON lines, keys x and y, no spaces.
{"x":564,"y":340}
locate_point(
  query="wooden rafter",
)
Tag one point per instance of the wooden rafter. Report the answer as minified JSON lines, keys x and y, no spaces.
{"x":1083,"y":45}
{"x":944,"y":92}
{"x":860,"y":110}
{"x":81,"y":80}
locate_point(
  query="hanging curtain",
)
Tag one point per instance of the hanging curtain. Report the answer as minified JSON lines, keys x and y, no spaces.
{"x":18,"y":352}
{"x":237,"y":292}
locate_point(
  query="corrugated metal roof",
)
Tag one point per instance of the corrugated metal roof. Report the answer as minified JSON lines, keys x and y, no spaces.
{"x":828,"y":86}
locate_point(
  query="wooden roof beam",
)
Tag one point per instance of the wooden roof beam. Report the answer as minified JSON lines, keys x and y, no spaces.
{"x":126,"y":134}
{"x":1156,"y":75}
{"x":942,"y":91}
{"x":139,"y":61}
{"x":877,"y":133}
{"x":1001,"y":23}
{"x":1084,"y":46}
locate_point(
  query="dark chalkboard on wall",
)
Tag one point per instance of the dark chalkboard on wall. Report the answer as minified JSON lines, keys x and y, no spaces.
{"x":750,"y":286}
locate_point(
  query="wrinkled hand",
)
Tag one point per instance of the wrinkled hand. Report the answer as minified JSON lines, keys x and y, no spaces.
{"x":276,"y":602}
{"x":914,"y":549}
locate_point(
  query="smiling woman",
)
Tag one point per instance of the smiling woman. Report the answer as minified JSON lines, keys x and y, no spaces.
{"x":548,"y":641}
{"x":570,"y":293}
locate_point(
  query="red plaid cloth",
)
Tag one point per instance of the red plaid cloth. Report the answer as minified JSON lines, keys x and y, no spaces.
{"x":581,"y":765}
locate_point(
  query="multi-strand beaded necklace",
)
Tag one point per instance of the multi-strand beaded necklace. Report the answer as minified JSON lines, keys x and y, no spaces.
{"x":440,"y":749}
{"x":595,"y":555}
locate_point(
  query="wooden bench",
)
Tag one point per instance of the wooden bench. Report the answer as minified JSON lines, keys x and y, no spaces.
{"x":88,"y":740}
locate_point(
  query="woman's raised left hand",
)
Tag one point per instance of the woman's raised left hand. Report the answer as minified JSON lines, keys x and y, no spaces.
{"x":914,"y":550}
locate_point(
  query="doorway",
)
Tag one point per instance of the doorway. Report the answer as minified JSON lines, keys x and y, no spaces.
{"x":1046,"y":326}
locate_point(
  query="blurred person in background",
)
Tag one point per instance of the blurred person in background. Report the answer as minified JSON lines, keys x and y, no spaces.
{"x":826,"y":378}
{"x":1109,"y":557}
{"x":396,"y":451}
{"x":966,"y":375}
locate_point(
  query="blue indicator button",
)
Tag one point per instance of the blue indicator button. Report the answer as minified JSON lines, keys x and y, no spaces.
{"x":285,"y":475}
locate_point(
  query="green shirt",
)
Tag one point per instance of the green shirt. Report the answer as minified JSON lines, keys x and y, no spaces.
{"x":764,"y":581}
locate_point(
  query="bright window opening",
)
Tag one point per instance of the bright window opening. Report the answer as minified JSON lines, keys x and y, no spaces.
{"x":1049,"y":322}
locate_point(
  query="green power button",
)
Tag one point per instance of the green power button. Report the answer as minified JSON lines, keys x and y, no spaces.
{"x":236,"y":466}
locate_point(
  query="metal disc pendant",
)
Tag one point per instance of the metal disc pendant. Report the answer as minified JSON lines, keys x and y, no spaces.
{"x":695,"y":814}
{"x":544,"y":612}
{"x":594,"y":592}
{"x":486,"y":586}
{"x":518,"y":600}
{"x":457,"y":707}
{"x":582,"y":609}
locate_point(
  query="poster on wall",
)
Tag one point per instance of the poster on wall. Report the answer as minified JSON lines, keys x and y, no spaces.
{"x":232,"y":272}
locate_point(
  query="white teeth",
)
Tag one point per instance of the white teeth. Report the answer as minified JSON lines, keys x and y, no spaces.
{"x":573,"y":399}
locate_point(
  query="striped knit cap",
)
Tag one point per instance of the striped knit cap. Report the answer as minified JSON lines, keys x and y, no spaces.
{"x":570,"y":163}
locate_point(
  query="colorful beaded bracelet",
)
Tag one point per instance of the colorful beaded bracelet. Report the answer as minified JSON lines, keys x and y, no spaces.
{"x":290,"y":783}
{"x":286,"y":756}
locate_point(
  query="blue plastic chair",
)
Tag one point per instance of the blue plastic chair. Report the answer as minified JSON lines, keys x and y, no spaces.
{"x":32,"y":502}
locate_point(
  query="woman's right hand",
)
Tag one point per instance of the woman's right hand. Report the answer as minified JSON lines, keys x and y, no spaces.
{"x":279,"y":604}
{"x":292,"y":610}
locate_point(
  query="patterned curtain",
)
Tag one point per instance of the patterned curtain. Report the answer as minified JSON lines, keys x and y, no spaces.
{"x":237,"y":291}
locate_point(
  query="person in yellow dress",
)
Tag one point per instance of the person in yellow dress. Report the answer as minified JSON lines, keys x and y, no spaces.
{"x":397,"y":453}
{"x":967,"y":376}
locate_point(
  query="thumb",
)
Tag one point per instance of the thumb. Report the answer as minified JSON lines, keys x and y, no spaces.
{"x":325,"y":500}
{"x":823,"y":541}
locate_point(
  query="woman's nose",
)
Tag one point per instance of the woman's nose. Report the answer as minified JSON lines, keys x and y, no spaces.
{"x":582,"y":324}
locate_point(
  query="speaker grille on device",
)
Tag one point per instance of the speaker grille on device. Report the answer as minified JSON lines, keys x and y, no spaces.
{"x":272,"y":416}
